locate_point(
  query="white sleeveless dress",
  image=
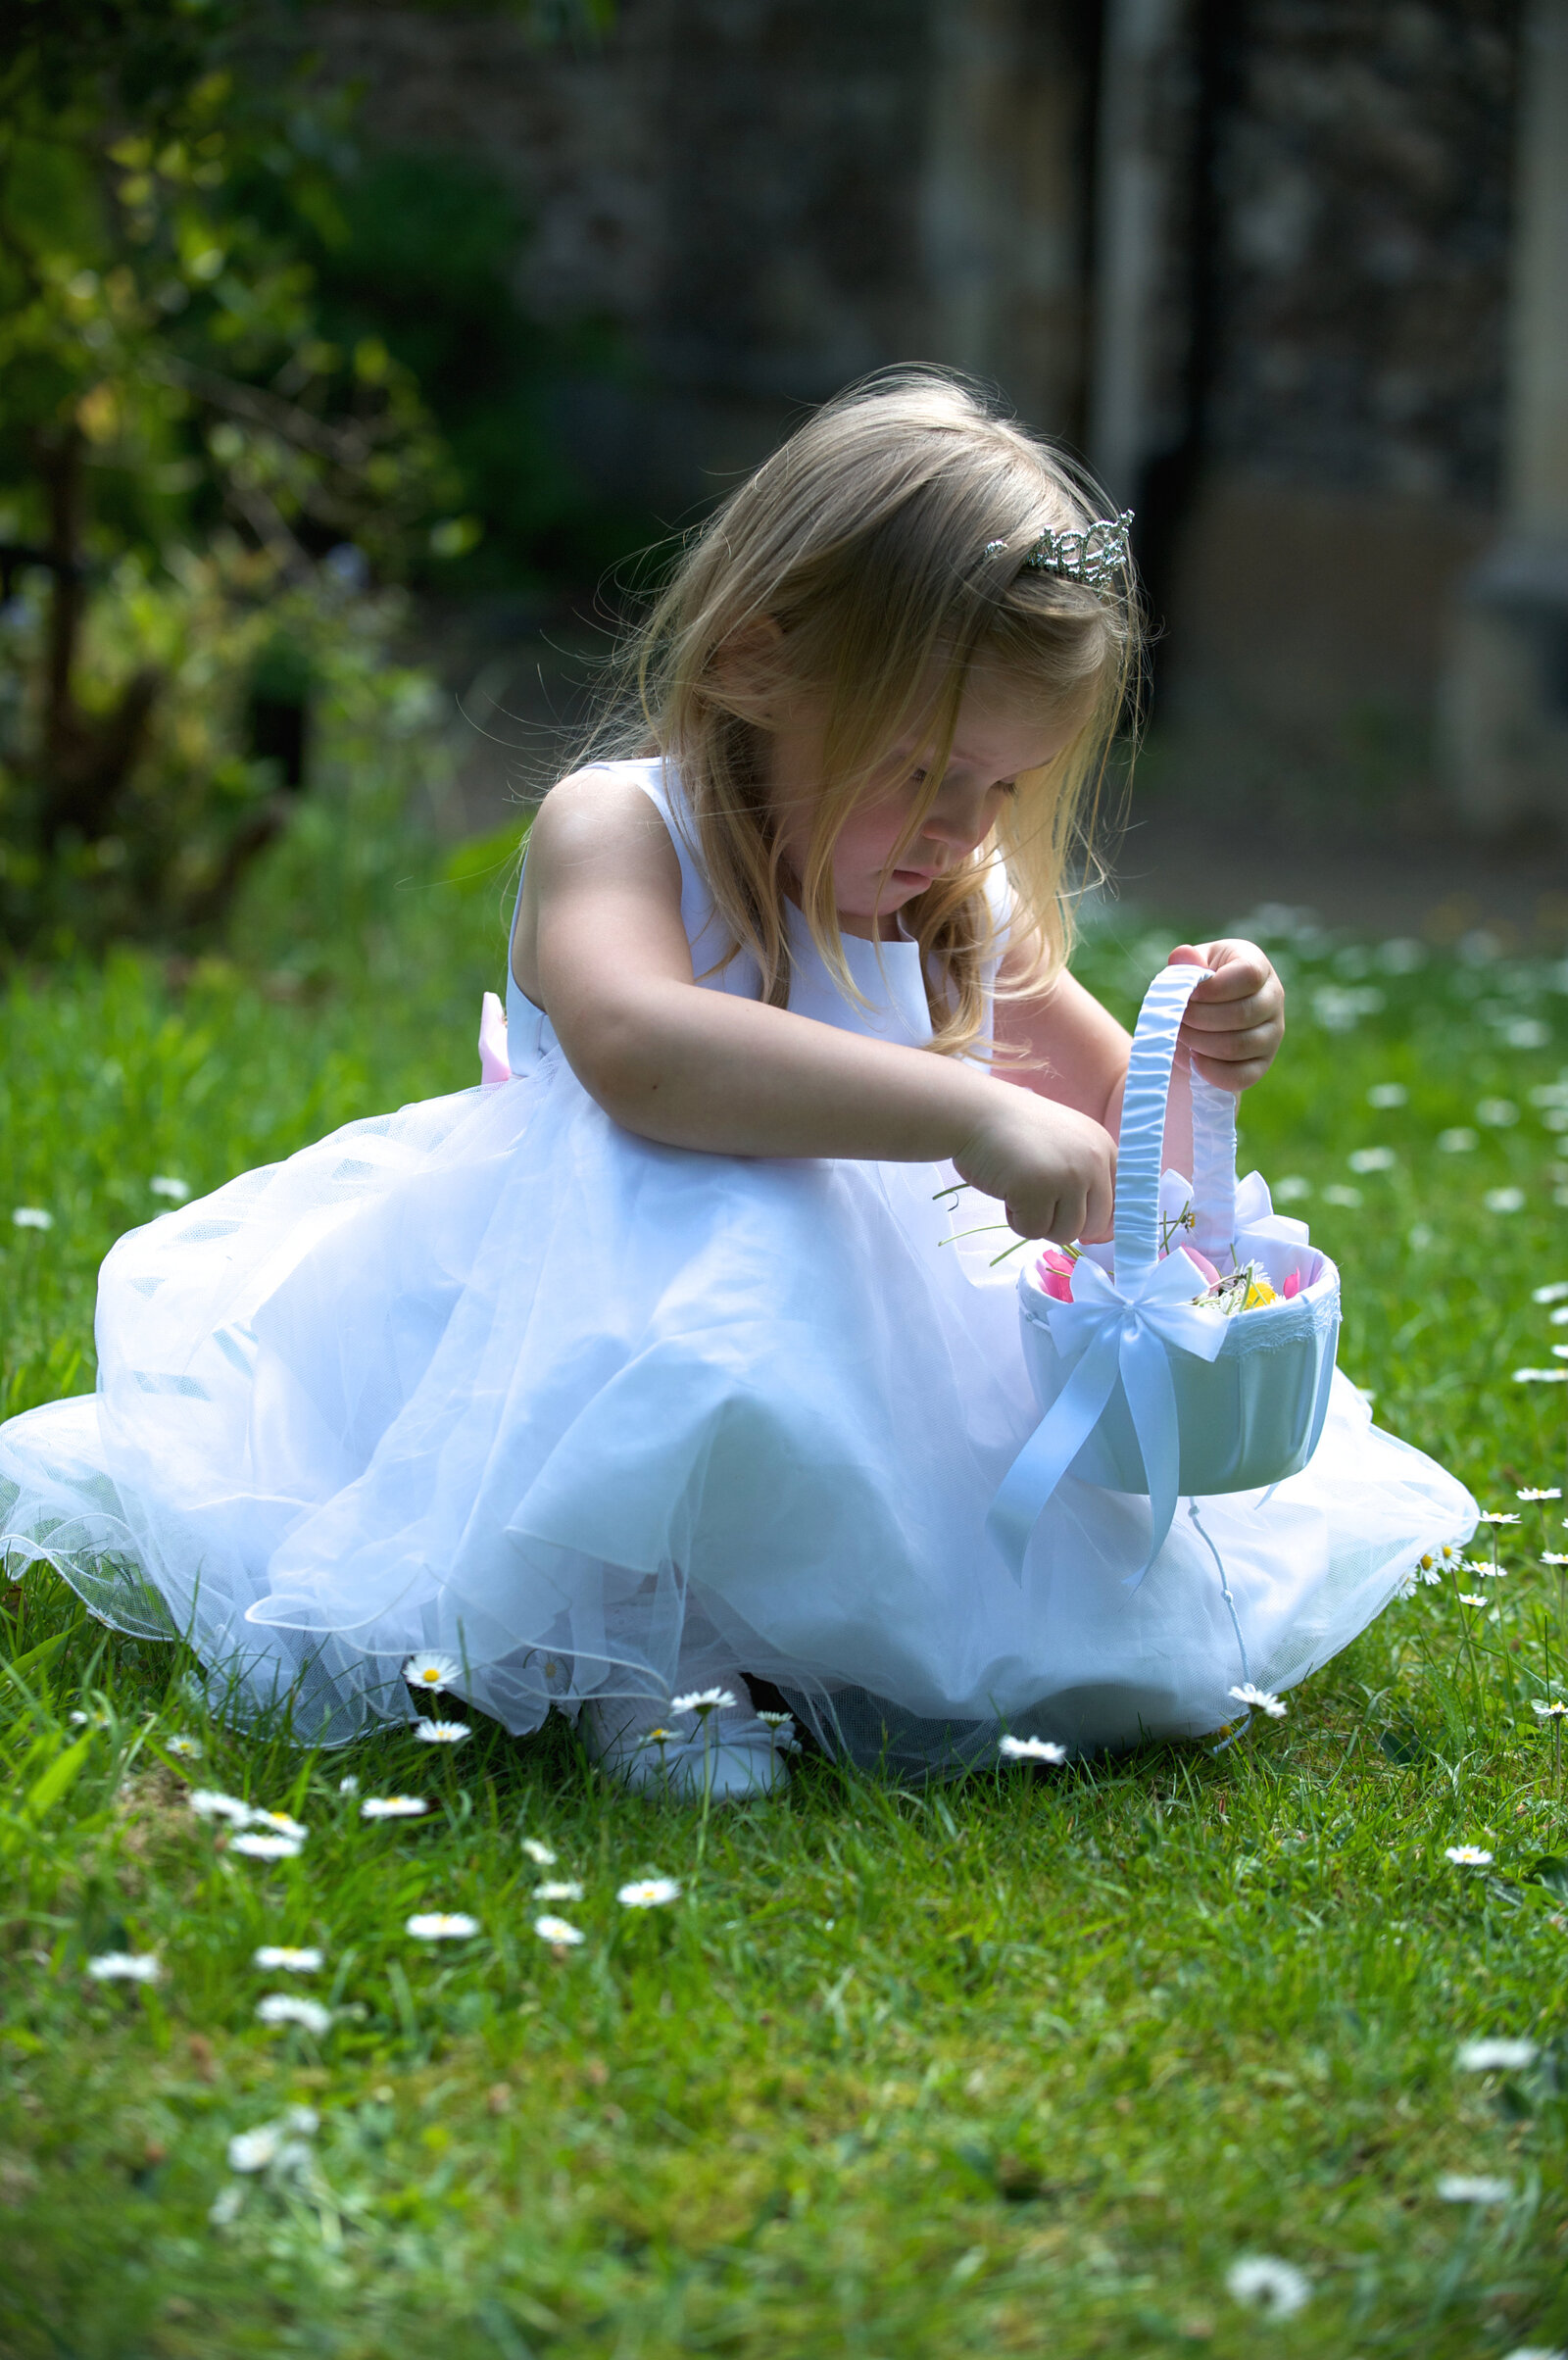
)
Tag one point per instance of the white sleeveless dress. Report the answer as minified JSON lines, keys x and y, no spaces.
{"x":493,"y":1376}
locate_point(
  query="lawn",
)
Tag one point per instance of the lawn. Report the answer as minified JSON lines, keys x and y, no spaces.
{"x":1028,"y":2063}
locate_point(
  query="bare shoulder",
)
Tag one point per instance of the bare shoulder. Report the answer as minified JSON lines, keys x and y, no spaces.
{"x":599,"y":859}
{"x":601,"y":817}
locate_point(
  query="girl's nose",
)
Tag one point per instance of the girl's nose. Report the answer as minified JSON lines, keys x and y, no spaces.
{"x":956,"y":820}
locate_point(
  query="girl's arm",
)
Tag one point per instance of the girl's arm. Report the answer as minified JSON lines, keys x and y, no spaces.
{"x":600,"y":946}
{"x":1076,"y":1051}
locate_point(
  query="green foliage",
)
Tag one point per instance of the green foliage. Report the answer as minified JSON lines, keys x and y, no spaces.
{"x":1020,"y":2065}
{"x":201,"y":405}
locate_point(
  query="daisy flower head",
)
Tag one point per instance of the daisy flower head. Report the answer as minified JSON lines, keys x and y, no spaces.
{"x":1031,"y":1750}
{"x":649,"y":1892}
{"x":1473,"y":2187}
{"x":1500,"y":1515}
{"x":393,"y":1806}
{"x":33,"y":1216}
{"x":274,"y":2144}
{"x":1556,"y":1292}
{"x":1484,"y":1567}
{"x":281,"y":2008}
{"x":1553,"y":1556}
{"x":776,"y":1720}
{"x":1469,"y":1598}
{"x":1467,"y":1856}
{"x":280,"y":1824}
{"x":539,"y":1853}
{"x":432,"y":1671}
{"x":209,"y":1802}
{"x":1427,"y":1568}
{"x":558,"y":1932}
{"x":124,"y":1966}
{"x":170,"y":1186}
{"x":1264,"y":1698}
{"x":264,"y":1847}
{"x":702,"y":1701}
{"x":1554,"y":1710}
{"x":283,"y":1957}
{"x":1541,"y":1376}
{"x":1496,"y":2056}
{"x":184,"y":1749}
{"x":441,"y":1926}
{"x":442,"y":1733}
{"x":1545,"y":1491}
{"x":349,"y":1784}
{"x":1275,"y":2287}
{"x":557,"y":1889}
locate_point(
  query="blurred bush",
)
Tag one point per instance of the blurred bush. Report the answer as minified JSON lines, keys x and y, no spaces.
{"x":212,"y":461}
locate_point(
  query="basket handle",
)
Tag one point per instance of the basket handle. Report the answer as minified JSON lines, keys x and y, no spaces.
{"x":1142,"y":1144}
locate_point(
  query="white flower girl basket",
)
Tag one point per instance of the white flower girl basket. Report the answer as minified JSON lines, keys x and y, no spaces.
{"x":1142,"y":1388}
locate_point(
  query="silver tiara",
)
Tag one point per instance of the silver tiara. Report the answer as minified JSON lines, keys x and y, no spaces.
{"x":1094,"y":555}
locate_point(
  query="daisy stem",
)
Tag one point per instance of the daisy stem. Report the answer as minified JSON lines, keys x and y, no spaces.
{"x":1470,"y":1648}
{"x":708,"y":1786}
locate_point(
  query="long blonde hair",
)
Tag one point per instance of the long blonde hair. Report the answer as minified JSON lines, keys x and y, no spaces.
{"x":879,"y":551}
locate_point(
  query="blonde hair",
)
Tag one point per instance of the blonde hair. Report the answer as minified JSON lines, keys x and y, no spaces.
{"x":872,"y":563}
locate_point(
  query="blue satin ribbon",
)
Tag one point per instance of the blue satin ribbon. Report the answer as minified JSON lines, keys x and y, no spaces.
{"x":1122,"y":1327}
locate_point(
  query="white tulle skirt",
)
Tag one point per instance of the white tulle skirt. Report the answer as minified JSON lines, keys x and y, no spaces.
{"x":495,"y":1377}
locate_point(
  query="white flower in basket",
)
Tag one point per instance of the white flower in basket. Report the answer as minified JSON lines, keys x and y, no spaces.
{"x":1142,"y":1388}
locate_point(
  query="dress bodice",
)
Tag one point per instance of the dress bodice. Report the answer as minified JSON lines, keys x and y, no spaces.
{"x":887,"y":974}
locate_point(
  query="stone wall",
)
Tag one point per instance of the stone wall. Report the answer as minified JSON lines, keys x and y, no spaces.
{"x":769,"y":197}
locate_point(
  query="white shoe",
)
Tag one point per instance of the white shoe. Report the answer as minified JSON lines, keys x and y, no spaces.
{"x":729,"y":1757}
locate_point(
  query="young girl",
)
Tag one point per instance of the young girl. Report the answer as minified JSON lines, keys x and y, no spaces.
{"x":653,"y":1366}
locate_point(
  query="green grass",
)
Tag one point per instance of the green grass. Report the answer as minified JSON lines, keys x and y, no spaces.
{"x":1022,"y":2064}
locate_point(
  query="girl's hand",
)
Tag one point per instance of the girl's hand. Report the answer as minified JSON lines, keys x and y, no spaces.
{"x":1054,"y":1170}
{"x":1234,"y":1022}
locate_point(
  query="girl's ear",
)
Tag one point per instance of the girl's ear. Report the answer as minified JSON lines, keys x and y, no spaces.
{"x":743,"y":668}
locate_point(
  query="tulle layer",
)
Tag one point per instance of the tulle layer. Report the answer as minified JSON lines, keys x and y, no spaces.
{"x":492,"y":1376}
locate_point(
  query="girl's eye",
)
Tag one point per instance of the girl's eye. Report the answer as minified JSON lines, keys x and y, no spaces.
{"x":1007,"y":786}
{"x":917,"y":778}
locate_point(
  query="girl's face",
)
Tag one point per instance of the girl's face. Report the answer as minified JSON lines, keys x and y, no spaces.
{"x":999,"y":734}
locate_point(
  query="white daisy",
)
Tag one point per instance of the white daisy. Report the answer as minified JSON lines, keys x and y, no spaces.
{"x":1457,"y":1142}
{"x":1277,"y":2288}
{"x":280,"y":1824}
{"x":1372,"y":1159}
{"x":1541,"y":1376}
{"x":1500,"y":1515}
{"x":442,"y":1733}
{"x":1557,"y":1291}
{"x":649,"y":1892}
{"x":89,"y":1720}
{"x":164,"y":1184}
{"x":1473,"y":2187}
{"x":1485,"y":1568}
{"x":776,"y":1720}
{"x":432,"y":1671}
{"x":124,"y":1966}
{"x":184,"y":1749}
{"x":281,"y":2008}
{"x":556,"y":1930}
{"x":1468,"y":1597}
{"x":264,"y":1847}
{"x":1386,"y":1094}
{"x":702,"y":1701}
{"x":393,"y":1806}
{"x":33,"y":1216}
{"x":1496,"y":2056}
{"x":1264,"y":1698}
{"x":1556,"y":1710}
{"x":539,"y":1853}
{"x":274,"y":2143}
{"x":441,"y":1926}
{"x":1031,"y":1750}
{"x":558,"y":1888}
{"x":275,"y":1956}
{"x":349,"y":1784}
{"x":1468,"y":1855}
{"x":1548,"y":1491}
{"x":1553,"y":1556}
{"x":209,"y":1802}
